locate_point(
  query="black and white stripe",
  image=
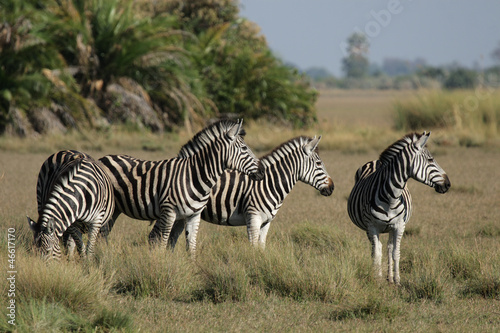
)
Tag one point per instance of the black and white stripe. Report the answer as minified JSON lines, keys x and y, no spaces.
{"x":237,"y":200}
{"x":46,"y":176}
{"x":178,"y":188}
{"x":73,"y":193}
{"x":380,"y":201}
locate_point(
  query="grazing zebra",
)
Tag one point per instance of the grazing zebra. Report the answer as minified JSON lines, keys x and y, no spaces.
{"x":380,"y":201}
{"x":237,"y":200}
{"x":80,"y":196}
{"x":178,"y":188}
{"x":46,"y":177}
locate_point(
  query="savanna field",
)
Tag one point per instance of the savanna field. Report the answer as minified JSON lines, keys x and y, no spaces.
{"x":315,"y":274}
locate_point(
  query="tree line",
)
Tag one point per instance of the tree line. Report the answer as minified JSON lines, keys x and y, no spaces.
{"x":88,"y":64}
{"x":395,"y":73}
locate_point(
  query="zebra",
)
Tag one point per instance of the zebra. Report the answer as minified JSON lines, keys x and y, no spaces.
{"x":178,"y":188}
{"x":380,"y":201}
{"x":80,"y":196}
{"x":46,"y":177}
{"x":237,"y":200}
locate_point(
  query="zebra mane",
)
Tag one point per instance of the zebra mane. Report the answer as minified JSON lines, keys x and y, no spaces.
{"x":291,"y":144}
{"x":207,"y":136}
{"x":395,"y":149}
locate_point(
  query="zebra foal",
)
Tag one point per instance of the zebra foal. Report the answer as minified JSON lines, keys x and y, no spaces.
{"x":380,"y":201}
{"x":177,"y":189}
{"x":73,"y":193}
{"x":237,"y":200}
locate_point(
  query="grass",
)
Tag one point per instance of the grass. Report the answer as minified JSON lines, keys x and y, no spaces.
{"x":469,"y":118}
{"x":315,"y":273}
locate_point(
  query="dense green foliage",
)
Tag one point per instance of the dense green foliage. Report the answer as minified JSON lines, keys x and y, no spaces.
{"x":187,"y":62}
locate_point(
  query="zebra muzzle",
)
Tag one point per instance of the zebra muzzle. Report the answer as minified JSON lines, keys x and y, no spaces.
{"x":445,"y":186}
{"x":328,"y":189}
{"x":259,"y":174}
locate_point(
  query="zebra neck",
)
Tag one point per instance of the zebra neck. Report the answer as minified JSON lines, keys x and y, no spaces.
{"x":281,"y":177}
{"x":208,"y":166}
{"x":393,"y":180}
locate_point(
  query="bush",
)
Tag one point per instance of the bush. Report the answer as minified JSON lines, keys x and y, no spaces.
{"x":190,"y":63}
{"x":460,"y":78}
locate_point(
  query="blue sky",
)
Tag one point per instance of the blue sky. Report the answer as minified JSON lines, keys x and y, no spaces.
{"x":312,"y":33}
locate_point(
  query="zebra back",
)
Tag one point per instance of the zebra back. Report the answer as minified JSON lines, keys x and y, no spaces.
{"x":50,"y":170}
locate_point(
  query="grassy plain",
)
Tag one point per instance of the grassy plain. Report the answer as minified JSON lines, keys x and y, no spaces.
{"x":315,"y":273}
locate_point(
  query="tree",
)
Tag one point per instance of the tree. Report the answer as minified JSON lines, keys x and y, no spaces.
{"x":460,"y":78}
{"x":355,"y":64}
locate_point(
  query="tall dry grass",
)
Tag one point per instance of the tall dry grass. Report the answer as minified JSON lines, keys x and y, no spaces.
{"x":468,"y":117}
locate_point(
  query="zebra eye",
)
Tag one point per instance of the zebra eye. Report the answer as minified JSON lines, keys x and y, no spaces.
{"x":244,"y":148}
{"x":430,"y":160}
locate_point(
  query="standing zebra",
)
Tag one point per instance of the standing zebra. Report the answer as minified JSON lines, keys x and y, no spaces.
{"x":80,"y":195}
{"x":178,"y":188}
{"x":380,"y":201}
{"x":237,"y":200}
{"x":46,"y":177}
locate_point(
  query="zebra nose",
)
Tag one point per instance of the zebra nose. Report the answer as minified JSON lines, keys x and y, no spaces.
{"x":259,"y":174}
{"x":328,"y":189}
{"x":445,"y":186}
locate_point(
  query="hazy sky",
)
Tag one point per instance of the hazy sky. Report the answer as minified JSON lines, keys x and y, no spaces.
{"x":312,"y":33}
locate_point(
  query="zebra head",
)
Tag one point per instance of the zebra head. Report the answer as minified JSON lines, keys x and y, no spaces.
{"x":313,"y":171}
{"x":240,"y":157}
{"x":45,"y":239}
{"x":425,"y":169}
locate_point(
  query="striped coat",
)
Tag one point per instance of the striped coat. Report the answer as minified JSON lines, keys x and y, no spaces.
{"x":177,"y":189}
{"x":79,"y":196}
{"x":380,"y":201}
{"x":237,"y":200}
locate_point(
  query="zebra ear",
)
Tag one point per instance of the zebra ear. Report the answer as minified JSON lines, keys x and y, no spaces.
{"x":31,"y":223}
{"x":311,"y":145}
{"x":235,"y":130}
{"x":423,"y":140}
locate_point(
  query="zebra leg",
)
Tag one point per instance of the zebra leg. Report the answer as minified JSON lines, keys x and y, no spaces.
{"x":106,"y":229}
{"x":254,"y":223}
{"x":398,"y":234}
{"x":176,"y":232}
{"x":80,"y":246}
{"x":264,"y":228}
{"x":374,"y":238}
{"x":74,"y":239}
{"x":93,"y":232}
{"x":68,"y":243}
{"x":192,"y":225}
{"x":390,"y":257}
{"x":162,"y":228}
